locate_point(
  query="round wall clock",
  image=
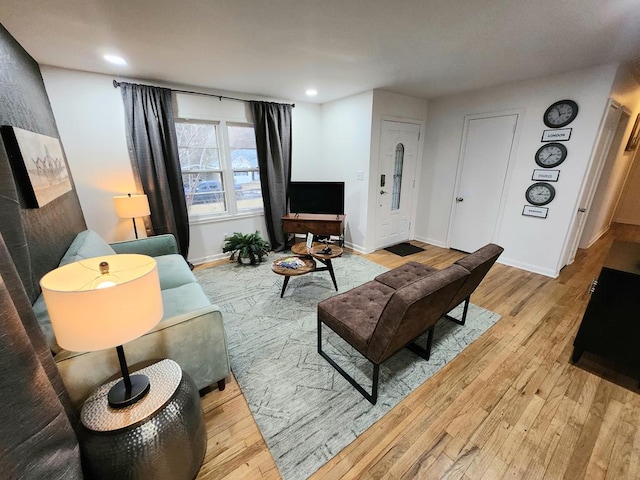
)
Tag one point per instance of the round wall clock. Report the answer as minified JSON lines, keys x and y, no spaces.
{"x":560,"y":114}
{"x":540,"y":193}
{"x":551,"y":155}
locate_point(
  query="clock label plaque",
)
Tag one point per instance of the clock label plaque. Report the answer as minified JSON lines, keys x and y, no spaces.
{"x":546,"y":175}
{"x":530,"y":211}
{"x":557,"y":135}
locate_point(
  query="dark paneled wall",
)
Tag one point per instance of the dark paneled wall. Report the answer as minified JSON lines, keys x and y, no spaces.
{"x":36,"y":237}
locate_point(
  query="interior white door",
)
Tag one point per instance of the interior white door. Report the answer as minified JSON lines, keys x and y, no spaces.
{"x":607,"y":131}
{"x":396,"y":182}
{"x":486,"y":150}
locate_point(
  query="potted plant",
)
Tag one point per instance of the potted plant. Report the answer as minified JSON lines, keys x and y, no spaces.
{"x":248,"y":248}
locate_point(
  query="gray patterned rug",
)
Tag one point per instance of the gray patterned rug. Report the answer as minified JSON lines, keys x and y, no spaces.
{"x":305,"y":410}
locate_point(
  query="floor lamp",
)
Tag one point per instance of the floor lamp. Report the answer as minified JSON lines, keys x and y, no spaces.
{"x":105,"y":302}
{"x":132,"y":206}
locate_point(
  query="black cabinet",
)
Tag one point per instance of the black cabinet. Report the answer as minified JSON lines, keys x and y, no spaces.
{"x":610,"y":327}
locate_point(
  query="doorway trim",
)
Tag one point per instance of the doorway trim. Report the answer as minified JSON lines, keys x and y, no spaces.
{"x":519,"y":112}
{"x":373,"y":180}
{"x":572,"y":238}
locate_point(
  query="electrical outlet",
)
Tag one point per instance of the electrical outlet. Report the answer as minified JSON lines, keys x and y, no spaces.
{"x":360,"y":175}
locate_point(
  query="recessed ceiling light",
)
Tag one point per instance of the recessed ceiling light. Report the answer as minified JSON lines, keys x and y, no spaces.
{"x":116,"y":60}
{"x":312,"y":92}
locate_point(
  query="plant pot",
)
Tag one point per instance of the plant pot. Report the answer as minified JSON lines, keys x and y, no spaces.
{"x":245,"y":260}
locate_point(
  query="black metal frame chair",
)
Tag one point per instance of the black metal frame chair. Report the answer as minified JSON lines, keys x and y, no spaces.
{"x":372,"y":397}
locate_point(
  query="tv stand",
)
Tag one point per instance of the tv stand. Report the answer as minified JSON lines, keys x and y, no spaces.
{"x":316,"y":223}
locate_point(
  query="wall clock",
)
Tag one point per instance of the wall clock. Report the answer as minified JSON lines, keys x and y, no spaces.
{"x":560,"y":114}
{"x":551,"y":155}
{"x":540,"y":193}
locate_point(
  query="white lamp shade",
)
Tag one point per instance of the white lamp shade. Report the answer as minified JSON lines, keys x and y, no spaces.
{"x":86,"y":315}
{"x":131,"y":206}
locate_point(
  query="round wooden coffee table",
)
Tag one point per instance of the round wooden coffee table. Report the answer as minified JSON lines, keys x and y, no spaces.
{"x":308,"y":264}
{"x":325,"y":258}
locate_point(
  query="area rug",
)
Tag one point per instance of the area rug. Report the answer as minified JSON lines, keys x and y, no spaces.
{"x":305,"y":410}
{"x":403,"y":249}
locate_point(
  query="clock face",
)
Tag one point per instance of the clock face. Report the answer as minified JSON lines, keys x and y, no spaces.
{"x":551,"y":155}
{"x":560,"y":114}
{"x":540,"y":193}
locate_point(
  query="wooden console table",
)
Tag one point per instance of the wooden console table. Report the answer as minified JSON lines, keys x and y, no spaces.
{"x":316,"y":223}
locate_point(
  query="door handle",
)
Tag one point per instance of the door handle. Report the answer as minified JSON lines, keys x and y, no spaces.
{"x":382,"y":192}
{"x":459,"y":199}
{"x":582,"y":210}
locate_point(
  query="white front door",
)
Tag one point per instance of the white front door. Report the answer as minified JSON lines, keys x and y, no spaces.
{"x":396,"y":181}
{"x":483,"y":165}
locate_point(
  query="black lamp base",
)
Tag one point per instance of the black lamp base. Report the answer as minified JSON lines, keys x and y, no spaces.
{"x":120,"y":397}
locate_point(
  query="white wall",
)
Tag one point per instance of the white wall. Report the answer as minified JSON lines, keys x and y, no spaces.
{"x":531,"y":243}
{"x":346,"y":140}
{"x":627,"y":91}
{"x":90,"y":117}
{"x":628,"y":210}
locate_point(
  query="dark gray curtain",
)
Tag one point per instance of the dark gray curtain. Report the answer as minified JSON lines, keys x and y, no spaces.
{"x":38,"y":440}
{"x":153,"y":147}
{"x":272,"y":123}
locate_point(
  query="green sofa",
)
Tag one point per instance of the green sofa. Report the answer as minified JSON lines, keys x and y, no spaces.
{"x":191,"y":331}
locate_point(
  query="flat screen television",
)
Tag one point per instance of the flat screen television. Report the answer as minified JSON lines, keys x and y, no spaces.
{"x":316,"y":197}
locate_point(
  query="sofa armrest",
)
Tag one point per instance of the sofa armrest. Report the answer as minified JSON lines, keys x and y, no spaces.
{"x":152,"y":246}
{"x":196,"y":341}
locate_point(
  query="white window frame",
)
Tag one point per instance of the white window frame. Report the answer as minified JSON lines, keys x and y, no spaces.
{"x":226,"y":172}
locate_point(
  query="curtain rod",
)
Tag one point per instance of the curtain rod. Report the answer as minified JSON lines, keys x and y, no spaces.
{"x":116,"y":84}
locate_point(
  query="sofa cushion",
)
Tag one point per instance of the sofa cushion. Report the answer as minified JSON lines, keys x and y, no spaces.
{"x":353,"y":315}
{"x":173,"y":271}
{"x":87,"y":244}
{"x":405,"y":274}
{"x":183,"y":299}
{"x":478,"y":264}
{"x":414,"y":309}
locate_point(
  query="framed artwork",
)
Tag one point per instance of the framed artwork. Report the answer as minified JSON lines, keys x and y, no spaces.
{"x":39,"y":167}
{"x":632,"y":143}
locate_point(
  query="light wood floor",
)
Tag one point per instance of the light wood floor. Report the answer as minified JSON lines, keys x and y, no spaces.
{"x":511,"y":405}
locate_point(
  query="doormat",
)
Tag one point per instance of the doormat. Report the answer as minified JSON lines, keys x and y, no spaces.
{"x":404,"y":249}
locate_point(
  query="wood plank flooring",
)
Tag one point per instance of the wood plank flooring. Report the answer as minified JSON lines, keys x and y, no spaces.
{"x":511,"y":405}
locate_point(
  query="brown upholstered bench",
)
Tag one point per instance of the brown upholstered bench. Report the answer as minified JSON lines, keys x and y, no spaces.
{"x":382,"y":316}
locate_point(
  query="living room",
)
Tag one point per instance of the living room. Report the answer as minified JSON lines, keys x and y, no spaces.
{"x":325,"y":134}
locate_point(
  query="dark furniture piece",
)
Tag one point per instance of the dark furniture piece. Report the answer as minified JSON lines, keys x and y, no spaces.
{"x":382,"y":316}
{"x":610,"y":326}
{"x":162,"y":436}
{"x":317,"y":252}
{"x":316,"y":223}
{"x":37,"y":419}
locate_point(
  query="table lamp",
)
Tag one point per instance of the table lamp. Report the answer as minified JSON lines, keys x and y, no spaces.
{"x":104,"y":302}
{"x":132,"y":206}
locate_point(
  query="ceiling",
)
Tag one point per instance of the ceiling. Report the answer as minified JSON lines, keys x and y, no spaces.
{"x":280,"y":48}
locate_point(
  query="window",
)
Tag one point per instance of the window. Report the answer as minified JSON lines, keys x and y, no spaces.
{"x":219,"y":166}
{"x":397,"y":177}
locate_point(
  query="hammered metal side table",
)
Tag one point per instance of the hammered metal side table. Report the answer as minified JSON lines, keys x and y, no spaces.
{"x":162,"y":436}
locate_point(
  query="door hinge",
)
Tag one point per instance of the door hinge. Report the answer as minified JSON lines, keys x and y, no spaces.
{"x":594,"y":284}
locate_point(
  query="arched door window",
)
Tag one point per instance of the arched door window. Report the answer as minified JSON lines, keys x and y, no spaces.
{"x":397,"y":177}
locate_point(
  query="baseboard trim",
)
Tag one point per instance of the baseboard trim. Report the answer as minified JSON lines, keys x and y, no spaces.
{"x":430,"y":241}
{"x":208,"y":258}
{"x":528,"y":267}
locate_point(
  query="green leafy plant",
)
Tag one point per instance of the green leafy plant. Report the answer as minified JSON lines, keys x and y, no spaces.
{"x":249,"y":245}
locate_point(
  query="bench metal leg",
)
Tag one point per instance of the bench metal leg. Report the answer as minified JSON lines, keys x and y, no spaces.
{"x":464,"y":314}
{"x":371,"y":397}
{"x":423,"y":352}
